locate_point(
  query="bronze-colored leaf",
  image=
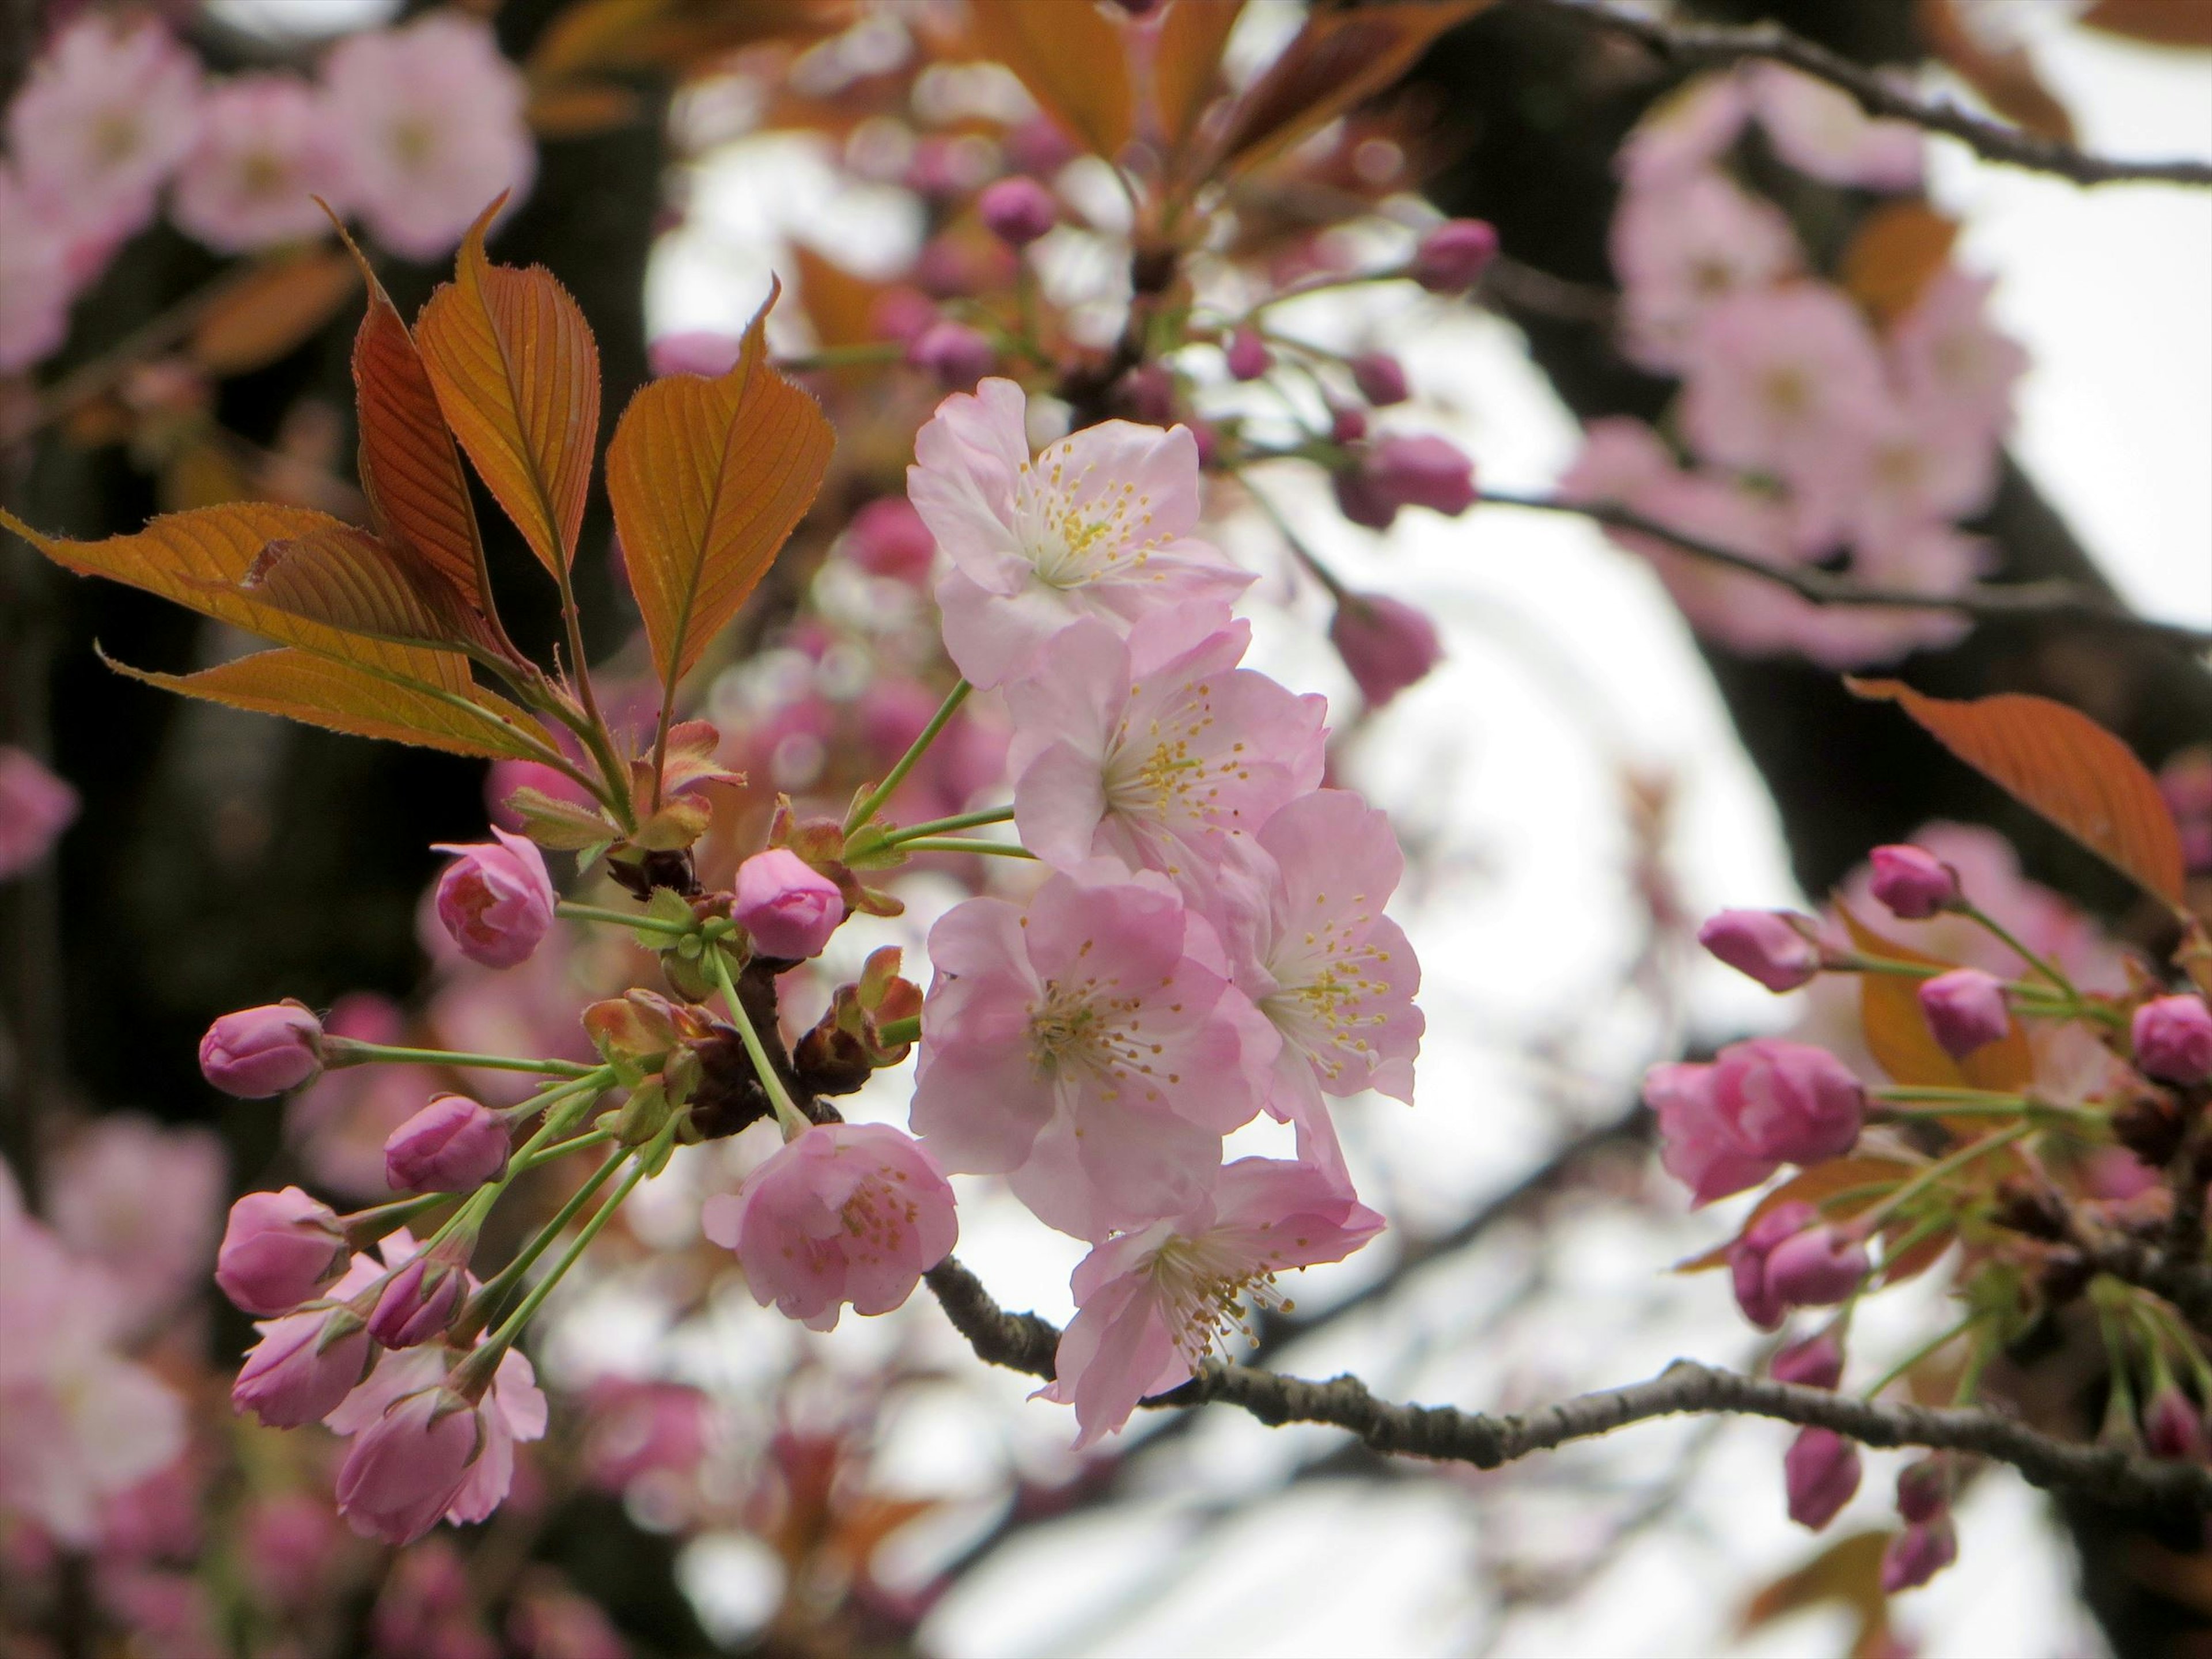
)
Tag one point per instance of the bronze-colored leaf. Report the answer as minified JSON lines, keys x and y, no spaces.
{"x":1897,"y":1037}
{"x":349,"y":579}
{"x":837,"y":303}
{"x":1897,"y":249}
{"x":345,"y":697}
{"x":517,"y":374}
{"x":708,"y":477}
{"x":1072,"y":58}
{"x":2006,"y":77}
{"x":2066,"y":767}
{"x":565,"y":826}
{"x":1337,"y":59}
{"x":1187,"y":64}
{"x":2160,"y":23}
{"x":1846,"y":1572}
{"x":271,"y":310}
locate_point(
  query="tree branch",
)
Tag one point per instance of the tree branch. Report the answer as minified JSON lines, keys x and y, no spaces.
{"x":1993,"y":141}
{"x":2059,"y":601}
{"x":1024,"y":1342}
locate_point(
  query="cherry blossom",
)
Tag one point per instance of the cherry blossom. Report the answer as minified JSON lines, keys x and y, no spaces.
{"x":141,"y":1201}
{"x":35,"y":805}
{"x":1683,"y":133}
{"x":1097,"y":525}
{"x":432,"y":116}
{"x":420,"y":1452}
{"x":846,"y":1213}
{"x":1148,"y":750}
{"x":1682,"y":250}
{"x":267,"y":147}
{"x":109,"y":111}
{"x":1152,"y":1304}
{"x":1821,"y":131}
{"x":1091,"y":1045}
{"x":1947,"y":355}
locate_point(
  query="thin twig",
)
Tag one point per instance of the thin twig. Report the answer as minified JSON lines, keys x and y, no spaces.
{"x":1024,"y":1342}
{"x":2053,"y":601}
{"x":1993,"y":141}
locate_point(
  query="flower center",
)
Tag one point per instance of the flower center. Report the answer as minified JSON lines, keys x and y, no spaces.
{"x":1206,"y":1290}
{"x":1326,"y":979}
{"x":879,"y":1217}
{"x":1073,"y":542}
{"x":1083,"y":1029}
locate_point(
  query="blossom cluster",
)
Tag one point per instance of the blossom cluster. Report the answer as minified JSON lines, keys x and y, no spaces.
{"x":1819,"y":425}
{"x":411,"y":129}
{"x":2013,"y":1089}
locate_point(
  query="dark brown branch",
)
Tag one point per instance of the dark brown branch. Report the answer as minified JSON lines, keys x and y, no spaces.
{"x":2059,"y":601}
{"x":1024,"y":1342}
{"x":1993,"y":141}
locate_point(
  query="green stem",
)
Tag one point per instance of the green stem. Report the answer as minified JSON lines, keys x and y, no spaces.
{"x":619,"y":917}
{"x":870,"y":804}
{"x":2049,"y":970}
{"x":496,"y":1289}
{"x":357,"y":1053}
{"x":1905,"y":1194}
{"x":893,"y":1032}
{"x":2011,"y":1102}
{"x":1304,"y":555}
{"x":964,"y":844}
{"x":1329,"y":285}
{"x":787,"y":1114}
{"x":1922,"y":1352}
{"x":511,"y":1327}
{"x":943,"y":826}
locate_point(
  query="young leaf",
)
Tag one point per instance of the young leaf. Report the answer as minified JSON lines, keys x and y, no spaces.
{"x":1896,"y":250}
{"x":1897,"y":1037}
{"x":2065,"y":766}
{"x":517,"y":374}
{"x":344,"y":697}
{"x":271,"y":311}
{"x":351,"y":580}
{"x":408,"y":466}
{"x":708,"y":479}
{"x":1072,"y":59}
{"x":198,"y":559}
{"x":1187,"y":62}
{"x":566,"y":826}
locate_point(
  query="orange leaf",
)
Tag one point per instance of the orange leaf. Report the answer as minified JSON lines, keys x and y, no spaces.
{"x":2006,"y":78}
{"x":708,"y":477}
{"x":1848,"y":1573}
{"x":2161,"y":23}
{"x":344,"y":697}
{"x":1187,"y":62}
{"x":1898,"y":1035}
{"x":1896,"y":250}
{"x":1338,"y":59}
{"x":408,"y":466}
{"x":271,"y":311}
{"x":349,"y":579}
{"x":198,"y":559}
{"x":517,"y":374}
{"x":1813,"y":1186}
{"x":2063,"y":764}
{"x":836,"y":301}
{"x":1071,"y":56}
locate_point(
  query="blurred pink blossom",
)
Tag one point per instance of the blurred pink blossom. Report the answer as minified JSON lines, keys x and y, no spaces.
{"x":1683,"y":133}
{"x":1947,"y":355}
{"x":35,"y":805}
{"x":1821,"y":131}
{"x":144,"y":1203}
{"x":35,"y":290}
{"x":1682,"y":249}
{"x":266,"y":148}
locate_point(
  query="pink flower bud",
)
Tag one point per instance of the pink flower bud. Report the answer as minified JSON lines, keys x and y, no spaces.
{"x":1760,"y":1104}
{"x":1815,"y":1363}
{"x":887,"y":537}
{"x":1147,"y":393}
{"x":1820,"y":1472}
{"x":789,"y":908}
{"x":2172,"y":1039}
{"x":1018,"y":210}
{"x":1918,"y":1554}
{"x":1767,"y":945}
{"x":1913,"y":882}
{"x":35,"y":807}
{"x":1966,"y":1010}
{"x":1249,"y":358}
{"x":496,"y":900}
{"x":955,"y":353}
{"x":454,"y":1145}
{"x":1746,"y":1260}
{"x":1360,"y":499}
{"x":697,"y":351}
{"x":278,"y":1249}
{"x":406,"y":1470}
{"x":258,"y":1052}
{"x":420,"y":1300}
{"x":1388,"y":645}
{"x":1380,"y":377}
{"x":1816,"y":1268}
{"x":2173,"y":1427}
{"x":1923,"y":1490}
{"x":1452,"y":257}
{"x":1347,"y":425}
{"x":303,"y":1366}
{"x":1423,"y":471}
{"x":901,"y":314}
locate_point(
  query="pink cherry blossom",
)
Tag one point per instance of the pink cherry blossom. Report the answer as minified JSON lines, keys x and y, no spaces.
{"x":141,"y":1201}
{"x":2172,"y":1038}
{"x":255,"y":1052}
{"x":35,"y":805}
{"x":1088,"y":1045}
{"x":109,"y":111}
{"x":786,"y":907}
{"x":36,"y":288}
{"x":420,"y":1452}
{"x":308,"y":1362}
{"x":1946,"y":353}
{"x":1821,"y":1475}
{"x":1767,"y":946}
{"x":1099,"y":524}
{"x":1681,"y":250}
{"x":1387,"y":645}
{"x":1821,"y":131}
{"x":78,"y":1422}
{"x":1932,"y":559}
{"x":1921,"y":465}
{"x":846,"y":1213}
{"x":1302,"y":919}
{"x":1148,"y":750}
{"x":496,"y":899}
{"x":279,"y":1248}
{"x":1760,"y":1104}
{"x":1150,"y":1306}
{"x":267,"y":147}
{"x":1964,"y":1009}
{"x":432,"y":119}
{"x":1683,"y":133}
